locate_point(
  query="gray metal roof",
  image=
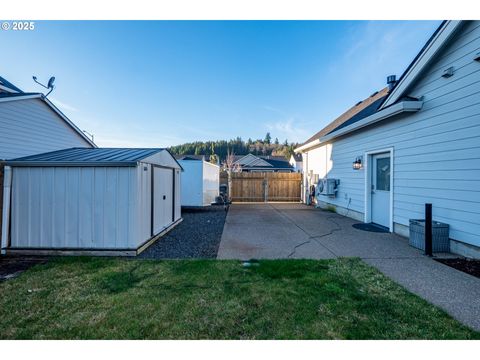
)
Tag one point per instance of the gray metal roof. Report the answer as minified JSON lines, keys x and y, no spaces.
{"x":87,"y":157}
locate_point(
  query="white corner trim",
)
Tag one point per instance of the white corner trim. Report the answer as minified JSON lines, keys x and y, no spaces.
{"x":443,"y":35}
{"x":401,"y":107}
{"x":7,"y":185}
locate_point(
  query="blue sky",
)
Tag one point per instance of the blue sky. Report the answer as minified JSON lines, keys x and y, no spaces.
{"x":161,"y":83}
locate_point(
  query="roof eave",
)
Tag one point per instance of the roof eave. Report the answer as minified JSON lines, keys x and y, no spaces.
{"x":70,"y":163}
{"x":307,"y":146}
{"x":396,"y":109}
{"x":442,"y":35}
{"x":20,"y":97}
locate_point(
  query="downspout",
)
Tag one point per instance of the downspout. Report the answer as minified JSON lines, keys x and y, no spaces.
{"x":7,"y":186}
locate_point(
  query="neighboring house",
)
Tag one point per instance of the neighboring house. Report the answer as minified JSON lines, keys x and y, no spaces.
{"x":253,"y":163}
{"x":296,"y":162}
{"x":200,"y":180}
{"x":416,"y":142}
{"x":32,"y":124}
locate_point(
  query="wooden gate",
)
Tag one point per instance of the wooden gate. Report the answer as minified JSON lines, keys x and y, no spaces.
{"x":267,"y":186}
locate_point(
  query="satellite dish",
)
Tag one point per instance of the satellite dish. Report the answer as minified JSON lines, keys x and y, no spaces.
{"x":50,"y":82}
{"x":49,"y":86}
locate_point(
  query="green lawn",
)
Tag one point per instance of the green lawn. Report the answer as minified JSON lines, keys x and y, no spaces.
{"x":93,"y":298}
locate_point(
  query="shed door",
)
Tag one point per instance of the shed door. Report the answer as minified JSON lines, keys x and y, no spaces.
{"x":162,"y":198}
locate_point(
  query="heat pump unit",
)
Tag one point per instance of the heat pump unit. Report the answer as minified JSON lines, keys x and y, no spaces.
{"x":327,"y":187}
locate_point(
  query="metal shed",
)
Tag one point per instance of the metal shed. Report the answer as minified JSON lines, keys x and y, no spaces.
{"x":96,"y":201}
{"x":200,"y":182}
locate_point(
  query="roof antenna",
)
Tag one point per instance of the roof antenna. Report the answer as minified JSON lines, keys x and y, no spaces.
{"x":89,"y":134}
{"x":49,"y":86}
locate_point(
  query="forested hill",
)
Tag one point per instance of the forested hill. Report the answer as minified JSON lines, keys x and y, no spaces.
{"x":237,"y":146}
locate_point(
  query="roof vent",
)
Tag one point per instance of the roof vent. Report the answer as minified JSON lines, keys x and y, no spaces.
{"x":358,"y":103}
{"x":391,"y":81}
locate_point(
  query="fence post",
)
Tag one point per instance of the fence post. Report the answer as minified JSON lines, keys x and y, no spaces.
{"x":265,"y":189}
{"x":428,"y":230}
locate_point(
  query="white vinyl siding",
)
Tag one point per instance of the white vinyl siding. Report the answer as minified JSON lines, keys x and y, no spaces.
{"x":73,"y":207}
{"x":30,"y":127}
{"x":436,"y":150}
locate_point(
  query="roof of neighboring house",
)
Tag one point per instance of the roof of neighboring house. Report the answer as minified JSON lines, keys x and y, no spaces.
{"x":192,"y":157}
{"x":7,"y":84}
{"x":251,"y":161}
{"x":87,"y":157}
{"x":357,"y":112}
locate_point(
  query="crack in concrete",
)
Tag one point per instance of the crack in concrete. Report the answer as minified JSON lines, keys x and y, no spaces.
{"x":310,"y":237}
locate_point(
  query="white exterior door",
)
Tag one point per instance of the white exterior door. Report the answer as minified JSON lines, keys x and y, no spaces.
{"x":380,"y":191}
{"x":162,"y":198}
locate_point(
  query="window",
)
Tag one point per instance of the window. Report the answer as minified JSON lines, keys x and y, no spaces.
{"x":383,"y":174}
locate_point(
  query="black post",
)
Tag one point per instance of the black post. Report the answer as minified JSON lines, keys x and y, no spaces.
{"x":428,"y":229}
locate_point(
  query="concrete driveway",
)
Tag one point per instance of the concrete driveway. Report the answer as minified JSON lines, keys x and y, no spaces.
{"x":273,"y":231}
{"x":297,"y":231}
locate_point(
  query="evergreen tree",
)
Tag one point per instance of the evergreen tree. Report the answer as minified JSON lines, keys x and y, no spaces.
{"x":268,"y":138}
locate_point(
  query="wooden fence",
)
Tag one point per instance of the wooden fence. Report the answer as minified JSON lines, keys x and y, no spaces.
{"x":264,"y":186}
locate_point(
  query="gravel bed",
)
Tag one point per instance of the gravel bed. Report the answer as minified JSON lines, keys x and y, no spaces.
{"x":197,"y":236}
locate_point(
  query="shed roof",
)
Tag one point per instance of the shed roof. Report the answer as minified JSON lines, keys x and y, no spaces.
{"x":87,"y":157}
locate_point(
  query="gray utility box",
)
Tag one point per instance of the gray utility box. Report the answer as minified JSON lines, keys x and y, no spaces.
{"x":440,"y":239}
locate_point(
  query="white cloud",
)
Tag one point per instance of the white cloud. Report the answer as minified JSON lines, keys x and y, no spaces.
{"x":291,"y":129}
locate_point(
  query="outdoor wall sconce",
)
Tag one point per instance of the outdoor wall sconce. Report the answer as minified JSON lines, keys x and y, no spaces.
{"x":358,"y":163}
{"x":448,"y":72}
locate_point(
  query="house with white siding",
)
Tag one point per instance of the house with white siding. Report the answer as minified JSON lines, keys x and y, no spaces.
{"x":30,"y":124}
{"x":296,"y":162}
{"x":415,"y":142}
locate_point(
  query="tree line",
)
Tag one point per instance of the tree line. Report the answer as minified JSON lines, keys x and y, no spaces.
{"x":237,"y":146}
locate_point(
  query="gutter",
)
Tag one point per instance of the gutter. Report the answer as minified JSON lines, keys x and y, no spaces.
{"x":396,"y":109}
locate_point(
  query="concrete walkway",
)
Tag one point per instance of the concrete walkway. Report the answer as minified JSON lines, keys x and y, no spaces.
{"x":273,"y":231}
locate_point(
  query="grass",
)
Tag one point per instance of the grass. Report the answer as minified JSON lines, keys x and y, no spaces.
{"x":331,"y":208}
{"x":94,"y":298}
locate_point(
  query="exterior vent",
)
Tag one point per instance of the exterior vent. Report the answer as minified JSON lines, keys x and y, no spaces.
{"x":391,"y":81}
{"x":448,"y":72}
{"x":477,"y":57}
{"x":327,"y":187}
